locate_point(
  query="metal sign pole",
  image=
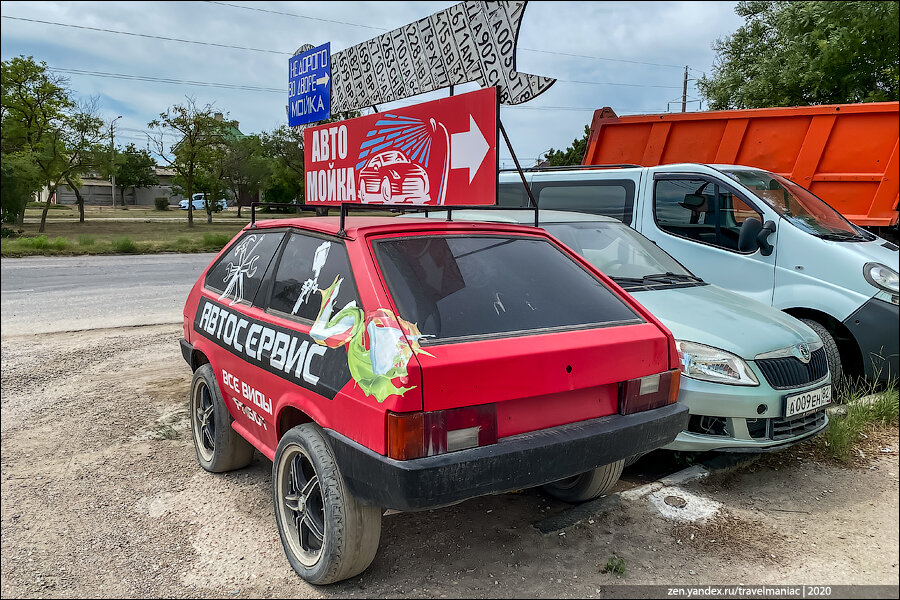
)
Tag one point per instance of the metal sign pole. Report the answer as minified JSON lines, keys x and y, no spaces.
{"x":518,"y":167}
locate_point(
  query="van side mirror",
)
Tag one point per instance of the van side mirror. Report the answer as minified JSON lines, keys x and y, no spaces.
{"x":762,"y":238}
{"x":755,"y":235}
{"x":750,"y":229}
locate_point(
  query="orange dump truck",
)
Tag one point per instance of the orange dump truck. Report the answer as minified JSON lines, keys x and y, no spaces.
{"x":844,"y":153}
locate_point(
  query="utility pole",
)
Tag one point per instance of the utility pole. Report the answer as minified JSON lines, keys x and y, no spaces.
{"x":684,"y":91}
{"x":112,"y":153}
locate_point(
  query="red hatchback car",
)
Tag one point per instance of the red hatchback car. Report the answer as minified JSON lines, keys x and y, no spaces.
{"x":409,"y":364}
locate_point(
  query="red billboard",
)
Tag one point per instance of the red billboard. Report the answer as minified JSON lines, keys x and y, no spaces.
{"x":435,"y":153}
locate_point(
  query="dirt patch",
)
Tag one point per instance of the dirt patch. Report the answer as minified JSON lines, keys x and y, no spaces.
{"x":102,"y":497}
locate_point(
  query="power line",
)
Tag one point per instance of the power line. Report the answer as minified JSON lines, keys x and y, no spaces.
{"x":216,"y":45}
{"x":644,"y":85}
{"x":144,"y":35}
{"x":636,"y":62}
{"x":251,"y":88}
{"x":623,"y":60}
{"x":287,"y":14}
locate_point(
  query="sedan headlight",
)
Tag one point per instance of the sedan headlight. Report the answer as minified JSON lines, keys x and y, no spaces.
{"x":713,"y":364}
{"x":882,"y":277}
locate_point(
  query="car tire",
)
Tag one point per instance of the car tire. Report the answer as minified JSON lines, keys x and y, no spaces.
{"x":587,"y":486}
{"x":327,"y":534}
{"x":219,"y":447}
{"x":632,"y":459}
{"x":832,"y":355}
{"x":386,"y":193}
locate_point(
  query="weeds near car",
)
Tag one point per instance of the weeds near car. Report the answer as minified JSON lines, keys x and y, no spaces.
{"x":614,"y":565}
{"x":866,"y":409}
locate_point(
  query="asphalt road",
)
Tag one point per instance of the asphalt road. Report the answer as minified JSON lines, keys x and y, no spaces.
{"x":50,"y":294}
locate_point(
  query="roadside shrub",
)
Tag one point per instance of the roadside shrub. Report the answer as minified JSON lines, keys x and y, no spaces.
{"x":181,"y":244}
{"x":124,"y":244}
{"x":10,"y":233}
{"x":60,"y":243}
{"x":161,"y":203}
{"x":41,"y":242}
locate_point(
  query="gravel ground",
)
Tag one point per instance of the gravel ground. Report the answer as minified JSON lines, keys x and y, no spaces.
{"x":102,"y":497}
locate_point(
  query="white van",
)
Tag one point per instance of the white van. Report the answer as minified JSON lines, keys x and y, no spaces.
{"x":753,"y":232}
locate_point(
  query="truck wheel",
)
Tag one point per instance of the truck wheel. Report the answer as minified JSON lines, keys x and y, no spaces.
{"x":831,"y":351}
{"x":219,"y":447}
{"x":587,"y":486}
{"x":327,"y":534}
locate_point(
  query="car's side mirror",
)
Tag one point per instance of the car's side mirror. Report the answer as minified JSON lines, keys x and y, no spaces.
{"x":750,"y":229}
{"x":762,"y":238}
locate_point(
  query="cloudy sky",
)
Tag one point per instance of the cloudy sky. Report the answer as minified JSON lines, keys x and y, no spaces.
{"x":139,"y":58}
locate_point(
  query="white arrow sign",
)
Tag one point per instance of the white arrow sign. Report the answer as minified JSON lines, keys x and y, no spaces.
{"x":468,"y":149}
{"x":322,"y":80}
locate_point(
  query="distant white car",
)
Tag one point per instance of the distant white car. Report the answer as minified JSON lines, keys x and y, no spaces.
{"x":200,"y":204}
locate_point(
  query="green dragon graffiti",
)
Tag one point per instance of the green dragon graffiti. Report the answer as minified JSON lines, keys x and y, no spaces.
{"x":379,"y":344}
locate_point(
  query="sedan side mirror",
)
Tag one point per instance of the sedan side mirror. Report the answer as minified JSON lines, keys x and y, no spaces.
{"x":762,"y":238}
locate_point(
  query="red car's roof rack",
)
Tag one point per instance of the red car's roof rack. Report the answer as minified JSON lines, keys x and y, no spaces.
{"x":346,"y":207}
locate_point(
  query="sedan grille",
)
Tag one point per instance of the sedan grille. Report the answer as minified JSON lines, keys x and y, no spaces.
{"x":783,"y":429}
{"x":789,"y":372}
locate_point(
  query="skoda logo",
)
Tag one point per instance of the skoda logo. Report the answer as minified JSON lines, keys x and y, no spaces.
{"x":801,"y":351}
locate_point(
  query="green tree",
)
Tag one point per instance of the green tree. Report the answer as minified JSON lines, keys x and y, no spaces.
{"x":801,"y":53}
{"x":247,"y":168}
{"x":21,"y":180}
{"x":134,"y":169}
{"x":84,"y":140}
{"x":573,"y":155}
{"x":33,"y":115}
{"x":284,"y":147}
{"x":196,"y":130}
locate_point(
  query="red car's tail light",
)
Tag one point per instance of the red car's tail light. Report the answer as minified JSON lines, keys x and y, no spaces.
{"x":419,"y":434}
{"x":647,"y":393}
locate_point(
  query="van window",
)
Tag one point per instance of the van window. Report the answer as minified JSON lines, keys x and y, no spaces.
{"x":464,"y":286}
{"x":608,"y":198}
{"x":237,"y":275}
{"x":701,"y":210}
{"x":512,"y":194}
{"x":307,"y":265}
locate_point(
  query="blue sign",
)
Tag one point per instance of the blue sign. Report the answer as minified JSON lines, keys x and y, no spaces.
{"x":309,"y":86}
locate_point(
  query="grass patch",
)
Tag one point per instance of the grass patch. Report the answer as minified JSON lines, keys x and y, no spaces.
{"x":124,"y":245}
{"x":41,"y":206}
{"x":866,"y":410}
{"x":86,"y":240}
{"x":215,"y":241}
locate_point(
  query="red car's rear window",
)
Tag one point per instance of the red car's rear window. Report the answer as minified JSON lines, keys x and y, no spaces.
{"x":461,"y":286}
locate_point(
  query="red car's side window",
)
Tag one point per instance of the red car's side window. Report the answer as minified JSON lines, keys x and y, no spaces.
{"x":239,"y":272}
{"x":308,"y":265}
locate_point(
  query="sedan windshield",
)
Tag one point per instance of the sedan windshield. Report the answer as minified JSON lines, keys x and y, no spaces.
{"x":618,"y":250}
{"x":797,"y":204}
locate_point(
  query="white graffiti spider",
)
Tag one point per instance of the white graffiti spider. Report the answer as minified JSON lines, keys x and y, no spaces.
{"x":245,"y":266}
